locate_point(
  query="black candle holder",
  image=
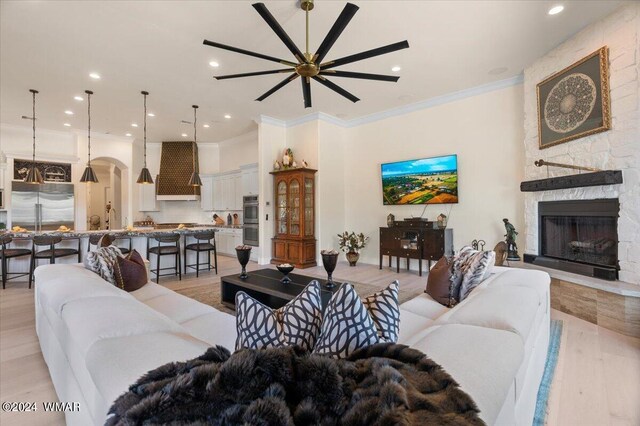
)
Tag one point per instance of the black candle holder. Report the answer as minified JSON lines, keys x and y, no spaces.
{"x":243,"y":257}
{"x":329,"y":261}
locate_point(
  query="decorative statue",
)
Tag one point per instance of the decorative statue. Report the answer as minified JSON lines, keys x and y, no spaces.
{"x":442,"y":220}
{"x":287,"y":158}
{"x":294,"y":164}
{"x":276,"y":165}
{"x":512,"y":248}
{"x":305,"y":164}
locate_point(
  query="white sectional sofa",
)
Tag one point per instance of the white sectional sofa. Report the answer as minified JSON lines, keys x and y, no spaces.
{"x":97,"y":340}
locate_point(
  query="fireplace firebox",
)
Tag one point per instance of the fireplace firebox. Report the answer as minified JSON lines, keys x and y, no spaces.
{"x":579,"y":236}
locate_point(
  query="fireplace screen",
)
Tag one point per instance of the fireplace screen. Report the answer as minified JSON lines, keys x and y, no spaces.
{"x":583,"y":239}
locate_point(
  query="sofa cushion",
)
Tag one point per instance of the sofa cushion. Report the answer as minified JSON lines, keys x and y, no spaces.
{"x":385,"y":312}
{"x":411,"y":325}
{"x":177,"y":307}
{"x":486,"y":372}
{"x":425,"y":306}
{"x":509,"y":308}
{"x":66,"y":283}
{"x":116,"y":363}
{"x":215,"y":328}
{"x":89,"y":320}
{"x":151,"y":290}
{"x":102,"y":261}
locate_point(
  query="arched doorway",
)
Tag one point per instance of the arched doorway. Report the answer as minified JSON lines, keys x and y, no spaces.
{"x":106,"y":201}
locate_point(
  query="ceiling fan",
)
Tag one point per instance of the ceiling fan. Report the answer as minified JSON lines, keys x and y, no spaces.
{"x":310,"y":66}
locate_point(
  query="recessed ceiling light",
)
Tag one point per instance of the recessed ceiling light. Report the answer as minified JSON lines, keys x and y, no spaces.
{"x":184,"y":135}
{"x":556,"y":9}
{"x":67,"y":125}
{"x":95,"y":76}
{"x":134,"y":124}
{"x":214,"y":64}
{"x":68,"y":112}
{"x":206,"y":126}
{"x":227,"y":116}
{"x":78,"y":98}
{"x":151,"y":114}
{"x":128,"y":134}
{"x":396,"y":68}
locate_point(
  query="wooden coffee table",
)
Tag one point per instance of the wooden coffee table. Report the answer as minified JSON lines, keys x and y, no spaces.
{"x":265,"y":286}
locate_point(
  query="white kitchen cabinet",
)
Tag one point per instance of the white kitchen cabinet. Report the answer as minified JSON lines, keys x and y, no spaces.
{"x":206,"y":193}
{"x":227,"y":240}
{"x":237,"y":192}
{"x":147,"y":198}
{"x":227,"y":192}
{"x":249,"y":179}
{"x":217,"y":193}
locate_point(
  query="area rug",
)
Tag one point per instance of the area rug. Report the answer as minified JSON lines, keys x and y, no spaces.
{"x":549,"y":370}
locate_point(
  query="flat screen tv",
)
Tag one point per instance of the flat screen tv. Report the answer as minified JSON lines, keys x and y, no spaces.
{"x":423,"y":181}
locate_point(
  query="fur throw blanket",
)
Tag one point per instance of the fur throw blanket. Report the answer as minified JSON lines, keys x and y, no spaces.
{"x":383,"y":384}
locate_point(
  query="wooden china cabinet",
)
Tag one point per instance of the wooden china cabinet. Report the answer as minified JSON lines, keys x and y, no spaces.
{"x":294,"y":241}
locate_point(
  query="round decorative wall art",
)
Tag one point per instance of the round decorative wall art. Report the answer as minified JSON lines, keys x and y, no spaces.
{"x":570,"y":103}
{"x":574,"y":103}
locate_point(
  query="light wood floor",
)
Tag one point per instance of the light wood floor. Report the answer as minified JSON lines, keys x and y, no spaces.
{"x":597,"y":381}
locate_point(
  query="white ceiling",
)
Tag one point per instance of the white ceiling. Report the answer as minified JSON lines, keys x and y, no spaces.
{"x":157,"y":46}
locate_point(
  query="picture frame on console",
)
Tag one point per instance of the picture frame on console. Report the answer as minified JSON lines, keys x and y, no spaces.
{"x":574,"y":102}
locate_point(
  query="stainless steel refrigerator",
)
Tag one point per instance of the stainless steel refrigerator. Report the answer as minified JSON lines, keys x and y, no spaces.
{"x":43,"y":207}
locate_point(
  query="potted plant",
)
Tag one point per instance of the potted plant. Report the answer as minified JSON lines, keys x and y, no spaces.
{"x":351,"y":244}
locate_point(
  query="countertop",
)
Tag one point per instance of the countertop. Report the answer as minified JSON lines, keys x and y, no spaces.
{"x":136,"y":232}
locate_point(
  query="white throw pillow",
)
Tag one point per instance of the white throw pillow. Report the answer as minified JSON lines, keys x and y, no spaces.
{"x":102,"y":261}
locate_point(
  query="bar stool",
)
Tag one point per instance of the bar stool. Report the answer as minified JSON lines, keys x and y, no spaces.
{"x":205,"y":242}
{"x":94,"y":239}
{"x":10,"y":253}
{"x":167,"y":249}
{"x":53,"y":252}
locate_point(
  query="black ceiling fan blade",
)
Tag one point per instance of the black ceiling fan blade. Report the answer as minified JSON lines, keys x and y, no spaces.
{"x":363,"y":75}
{"x":335,"y":31}
{"x":365,"y":55}
{"x":251,"y":74}
{"x":277,"y":87}
{"x":280,"y":32}
{"x":247,"y":52}
{"x":322,"y":80}
{"x":306,"y":91}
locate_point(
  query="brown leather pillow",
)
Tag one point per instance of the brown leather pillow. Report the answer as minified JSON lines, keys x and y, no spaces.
{"x":439,"y":283}
{"x":130,"y":271}
{"x":105,"y":241}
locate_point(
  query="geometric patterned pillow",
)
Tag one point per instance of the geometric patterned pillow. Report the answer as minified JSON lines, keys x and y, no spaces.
{"x":475,"y":268}
{"x":296,"y":323}
{"x":102,"y":261}
{"x":458,"y":269}
{"x":385,"y":312}
{"x":346,"y":326}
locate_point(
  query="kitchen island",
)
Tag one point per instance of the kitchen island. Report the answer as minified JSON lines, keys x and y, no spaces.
{"x":227,"y":238}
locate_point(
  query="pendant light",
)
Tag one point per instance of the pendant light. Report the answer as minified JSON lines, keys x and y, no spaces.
{"x":145,"y":176}
{"x":34,"y":175}
{"x":89,"y":176}
{"x":195,"y":177}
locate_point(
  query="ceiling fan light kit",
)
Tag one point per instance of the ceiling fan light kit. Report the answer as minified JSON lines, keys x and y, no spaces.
{"x":307,"y":66}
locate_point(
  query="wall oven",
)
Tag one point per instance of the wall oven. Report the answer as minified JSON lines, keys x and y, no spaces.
{"x":250,"y":208}
{"x":250,"y":235}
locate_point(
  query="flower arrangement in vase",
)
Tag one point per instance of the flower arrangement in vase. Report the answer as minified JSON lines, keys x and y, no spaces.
{"x":351,"y":244}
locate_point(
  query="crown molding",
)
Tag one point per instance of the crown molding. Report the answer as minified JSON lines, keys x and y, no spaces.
{"x":394,"y":112}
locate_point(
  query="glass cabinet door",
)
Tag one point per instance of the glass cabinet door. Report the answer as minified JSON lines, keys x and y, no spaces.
{"x":294,"y":207}
{"x":308,"y":207}
{"x":281,"y":217}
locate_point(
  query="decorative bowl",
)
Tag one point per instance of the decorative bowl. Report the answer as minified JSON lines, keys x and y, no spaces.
{"x":285,"y":269}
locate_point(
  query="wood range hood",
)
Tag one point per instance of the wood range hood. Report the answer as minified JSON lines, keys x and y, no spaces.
{"x":176,"y":166}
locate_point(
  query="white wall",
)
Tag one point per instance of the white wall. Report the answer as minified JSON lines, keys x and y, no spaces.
{"x":484,"y":131}
{"x":615,"y":149}
{"x":238,"y":151}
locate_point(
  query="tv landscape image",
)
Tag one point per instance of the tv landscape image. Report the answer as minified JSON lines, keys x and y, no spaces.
{"x":424,"y":181}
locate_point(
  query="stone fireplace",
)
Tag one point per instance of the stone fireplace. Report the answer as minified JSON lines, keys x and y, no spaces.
{"x":579,"y":236}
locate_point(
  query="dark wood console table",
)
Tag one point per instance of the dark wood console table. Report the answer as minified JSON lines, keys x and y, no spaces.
{"x":415,"y":241}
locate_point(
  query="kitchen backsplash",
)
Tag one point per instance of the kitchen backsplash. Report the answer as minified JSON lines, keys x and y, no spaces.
{"x":184,"y":212}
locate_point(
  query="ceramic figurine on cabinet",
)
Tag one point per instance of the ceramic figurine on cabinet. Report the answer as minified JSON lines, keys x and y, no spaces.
{"x":305,"y":164}
{"x":287,"y":158}
{"x":294,"y":165}
{"x":276,"y":165}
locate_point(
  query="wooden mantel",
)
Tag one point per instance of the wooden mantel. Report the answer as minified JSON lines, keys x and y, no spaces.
{"x":604,"y":177}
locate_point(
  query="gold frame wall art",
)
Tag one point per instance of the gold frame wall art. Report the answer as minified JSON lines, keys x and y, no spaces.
{"x":574,"y":103}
